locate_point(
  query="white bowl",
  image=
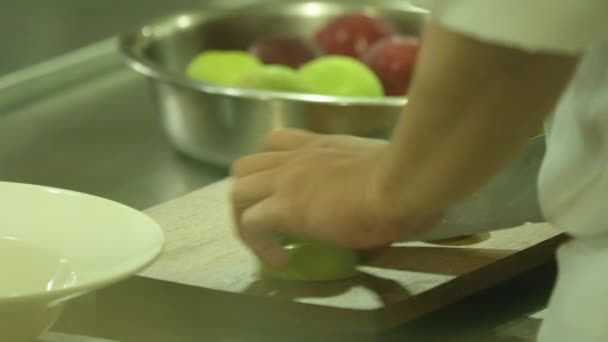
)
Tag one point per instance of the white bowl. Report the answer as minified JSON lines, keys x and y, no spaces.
{"x":58,"y":244}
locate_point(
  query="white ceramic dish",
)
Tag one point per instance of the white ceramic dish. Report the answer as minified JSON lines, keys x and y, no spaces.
{"x":58,"y":244}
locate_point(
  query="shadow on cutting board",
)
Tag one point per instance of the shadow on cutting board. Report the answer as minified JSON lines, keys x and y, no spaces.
{"x":467,"y":240}
{"x":388,"y":291}
{"x":419,"y":259}
{"x":436,"y":260}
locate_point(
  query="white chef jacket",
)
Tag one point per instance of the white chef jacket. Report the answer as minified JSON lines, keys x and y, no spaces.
{"x":573,"y":182}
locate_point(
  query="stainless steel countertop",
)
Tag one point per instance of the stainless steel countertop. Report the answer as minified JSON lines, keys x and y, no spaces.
{"x":32,"y":31}
{"x":99,"y":137}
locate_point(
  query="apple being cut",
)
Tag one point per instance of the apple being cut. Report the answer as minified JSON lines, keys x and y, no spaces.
{"x":314,"y":261}
{"x":393,"y":59}
{"x":284,"y":50}
{"x":352,"y":34}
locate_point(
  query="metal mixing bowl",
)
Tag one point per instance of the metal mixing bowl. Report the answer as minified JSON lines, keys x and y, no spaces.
{"x":219,"y":124}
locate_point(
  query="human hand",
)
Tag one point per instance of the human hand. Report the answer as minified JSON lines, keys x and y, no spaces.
{"x":320,"y":187}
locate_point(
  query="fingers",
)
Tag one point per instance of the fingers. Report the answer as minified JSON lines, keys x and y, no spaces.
{"x":287,"y":140}
{"x":256,"y":216}
{"x":257,"y":226}
{"x":248,"y":190}
{"x":258,"y":163}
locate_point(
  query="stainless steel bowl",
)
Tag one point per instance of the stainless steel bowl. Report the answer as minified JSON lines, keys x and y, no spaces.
{"x":219,"y":124}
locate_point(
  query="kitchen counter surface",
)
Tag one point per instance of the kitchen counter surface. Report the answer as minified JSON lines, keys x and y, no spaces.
{"x":33,"y":31}
{"x":100,"y":134}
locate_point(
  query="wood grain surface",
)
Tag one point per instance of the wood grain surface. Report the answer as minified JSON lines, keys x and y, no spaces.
{"x":403,"y":283}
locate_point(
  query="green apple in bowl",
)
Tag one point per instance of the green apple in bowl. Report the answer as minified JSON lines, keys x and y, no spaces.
{"x":340,"y":76}
{"x":274,"y":78}
{"x":223,"y":68}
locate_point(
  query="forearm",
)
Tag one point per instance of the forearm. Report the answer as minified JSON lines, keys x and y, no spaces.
{"x":472,"y":107}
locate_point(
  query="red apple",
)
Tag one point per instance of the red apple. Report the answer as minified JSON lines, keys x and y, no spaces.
{"x":284,"y":50}
{"x":393,"y":59}
{"x":352,"y":34}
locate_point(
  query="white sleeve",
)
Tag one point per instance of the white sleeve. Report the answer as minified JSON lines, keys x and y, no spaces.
{"x":560,"y":26}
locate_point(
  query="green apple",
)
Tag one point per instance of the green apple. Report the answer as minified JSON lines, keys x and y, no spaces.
{"x":340,"y":76}
{"x":273,"y":77}
{"x":314,"y":261}
{"x":224,"y":68}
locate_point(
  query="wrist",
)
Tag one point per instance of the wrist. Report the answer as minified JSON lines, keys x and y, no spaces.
{"x":397,"y":197}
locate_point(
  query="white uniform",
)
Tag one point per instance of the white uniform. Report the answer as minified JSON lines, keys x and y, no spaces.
{"x":573,"y":183}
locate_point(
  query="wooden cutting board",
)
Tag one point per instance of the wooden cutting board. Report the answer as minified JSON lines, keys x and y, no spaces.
{"x":404,"y":283}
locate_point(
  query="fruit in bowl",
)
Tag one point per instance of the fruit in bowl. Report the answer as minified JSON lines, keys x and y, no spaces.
{"x":340,"y":76}
{"x":274,"y":78}
{"x":224,"y":68}
{"x":393,"y":59}
{"x":284,"y":50}
{"x":352,"y":34}
{"x":354,"y":55}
